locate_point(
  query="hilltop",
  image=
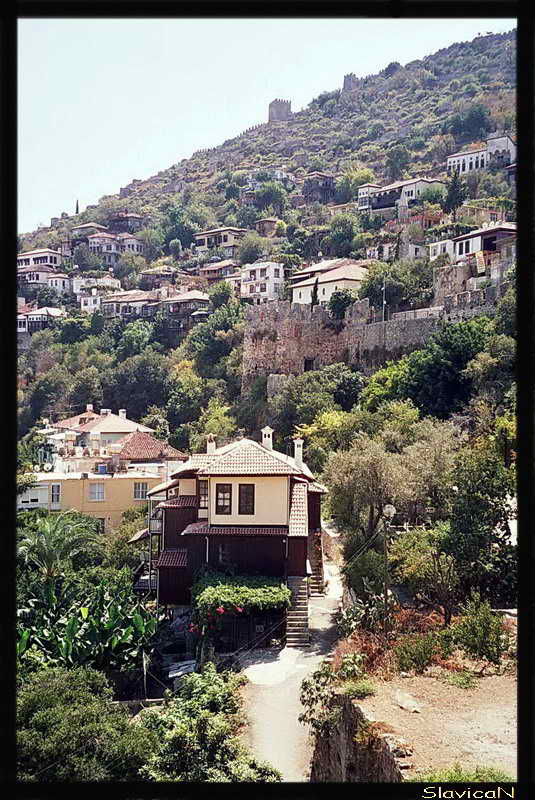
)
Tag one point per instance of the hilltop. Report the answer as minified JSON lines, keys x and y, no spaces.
{"x":358,"y":123}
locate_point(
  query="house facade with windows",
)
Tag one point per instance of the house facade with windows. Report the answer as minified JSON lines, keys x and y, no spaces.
{"x":101,"y":495}
{"x":242,"y":507}
{"x":499,"y":150}
{"x":226,"y":239}
{"x":483,"y":243}
{"x":262,"y":281}
{"x":364,"y":195}
{"x":42,"y":257}
{"x":440,"y":248}
{"x":349,"y":276}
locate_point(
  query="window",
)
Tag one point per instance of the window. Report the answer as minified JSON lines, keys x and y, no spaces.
{"x":96,"y":491}
{"x":262,"y":273}
{"x":140,"y":490}
{"x":276,"y":272}
{"x":223,"y":498}
{"x":55,"y":493}
{"x":246,"y":498}
{"x":262,"y":287}
{"x":251,"y":290}
{"x":323,"y":291}
{"x":203,"y":494}
{"x":224,"y":553}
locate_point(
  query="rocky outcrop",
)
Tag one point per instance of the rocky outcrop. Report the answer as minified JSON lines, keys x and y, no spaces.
{"x":357,"y":751}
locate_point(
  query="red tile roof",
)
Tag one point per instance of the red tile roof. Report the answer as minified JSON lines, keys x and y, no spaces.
{"x":202,"y":529}
{"x":250,"y":458}
{"x":140,"y":445}
{"x":298,"y":523}
{"x":74,"y":422}
{"x":173,"y":558}
{"x":186,"y":501}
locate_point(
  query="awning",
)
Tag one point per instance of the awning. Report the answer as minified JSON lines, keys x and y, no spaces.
{"x":185,"y":501}
{"x":172,"y":558}
{"x":201,"y":529}
{"x":143,"y":534}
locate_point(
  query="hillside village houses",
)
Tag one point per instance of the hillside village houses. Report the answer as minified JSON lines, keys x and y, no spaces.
{"x":348,"y":276}
{"x":262,"y":281}
{"x":43,"y":256}
{"x":30,"y":320}
{"x":499,"y":150}
{"x":244,"y":506}
{"x":226,"y":239}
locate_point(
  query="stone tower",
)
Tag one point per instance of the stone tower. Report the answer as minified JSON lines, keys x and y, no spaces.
{"x":350,"y":82}
{"x":280,"y":110}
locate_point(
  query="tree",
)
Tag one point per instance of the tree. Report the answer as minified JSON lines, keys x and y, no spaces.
{"x":175,"y":248}
{"x":69,"y":730}
{"x":74,"y":329}
{"x":210,"y":342}
{"x":361,"y":481}
{"x":505,"y":318}
{"x":397,"y":161}
{"x":97,"y":323}
{"x":215,"y":419}
{"x":156,"y":419}
{"x":127,"y":269}
{"x":391,"y":69}
{"x":339,"y":302}
{"x":441,"y":146}
{"x":405,"y":282}
{"x":137,"y":383}
{"x":314,"y":294}
{"x":135,"y":339}
{"x":455,"y":195}
{"x":86,"y":388}
{"x":479,"y":538}
{"x":153,"y":241}
{"x":339,"y":240}
{"x":77,"y":210}
{"x":433,"y":194}
{"x":251,"y":248}
{"x":84,"y":259}
{"x":56,"y":542}
{"x":220,"y":294}
{"x":273,"y":194}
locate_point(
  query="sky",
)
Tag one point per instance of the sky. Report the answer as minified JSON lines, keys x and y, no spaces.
{"x":103,"y":101}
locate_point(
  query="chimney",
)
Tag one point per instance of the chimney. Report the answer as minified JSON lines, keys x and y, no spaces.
{"x":267,"y":437}
{"x":298,"y":452}
{"x":210,"y":443}
{"x":122,"y":413}
{"x":105,"y":411}
{"x":89,"y":407}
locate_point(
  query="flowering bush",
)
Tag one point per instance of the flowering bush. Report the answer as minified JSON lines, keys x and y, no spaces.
{"x":216,"y":594}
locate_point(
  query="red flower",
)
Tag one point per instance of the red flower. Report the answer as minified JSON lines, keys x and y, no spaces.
{"x":239,"y":609}
{"x":220,"y":610}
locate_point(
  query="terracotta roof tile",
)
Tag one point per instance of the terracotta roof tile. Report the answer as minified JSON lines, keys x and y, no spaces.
{"x":185,"y":501}
{"x":173,"y":558}
{"x":142,"y":445}
{"x":298,"y":523}
{"x":202,"y":529}
{"x":249,"y":458}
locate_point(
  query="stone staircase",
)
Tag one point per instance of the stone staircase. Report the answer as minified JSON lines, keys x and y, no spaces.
{"x":297,"y":633}
{"x":315,"y":556}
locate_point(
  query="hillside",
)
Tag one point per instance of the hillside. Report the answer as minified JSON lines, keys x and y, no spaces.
{"x":358,"y":123}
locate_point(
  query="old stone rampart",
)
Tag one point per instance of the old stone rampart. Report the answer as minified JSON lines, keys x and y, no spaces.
{"x":288,"y":338}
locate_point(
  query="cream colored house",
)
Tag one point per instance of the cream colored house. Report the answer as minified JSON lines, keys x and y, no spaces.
{"x":349,"y":277}
{"x":102,"y":496}
{"x":226,"y":239}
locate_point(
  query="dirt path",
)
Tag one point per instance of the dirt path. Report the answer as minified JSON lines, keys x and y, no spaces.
{"x":472,"y":726}
{"x":271,"y":697}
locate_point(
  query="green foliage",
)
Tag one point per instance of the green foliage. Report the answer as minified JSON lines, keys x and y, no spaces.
{"x":415,"y":652}
{"x":462,"y":680}
{"x":397,"y":161}
{"x":457,"y":774}
{"x":480,"y":632}
{"x":505,"y":319}
{"x":156,"y":419}
{"x":271,"y":193}
{"x":197,"y":734}
{"x":479,"y":538}
{"x":220,"y":294}
{"x":215,"y":419}
{"x":134,"y":340}
{"x":471,"y":124}
{"x":456,"y":193}
{"x":251,"y":248}
{"x":339,"y":240}
{"x":68,"y":730}
{"x":74,"y":329}
{"x":216,"y":590}
{"x":404,"y":281}
{"x":316,"y":696}
{"x":136,"y":383}
{"x":108,"y":628}
{"x":211,"y":342}
{"x":358,"y":689}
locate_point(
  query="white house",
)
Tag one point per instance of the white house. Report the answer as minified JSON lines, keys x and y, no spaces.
{"x":262,"y":281}
{"x":482,"y":239}
{"x":499,"y":150}
{"x":81,"y":283}
{"x":349,"y":276}
{"x":44,"y":256}
{"x":60,"y":282}
{"x":401,"y":192}
{"x":35,"y":276}
{"x":363,"y":196}
{"x":444,"y":247}
{"x":105,"y":245}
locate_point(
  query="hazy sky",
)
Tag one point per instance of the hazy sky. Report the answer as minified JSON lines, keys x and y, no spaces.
{"x":102,"y":101}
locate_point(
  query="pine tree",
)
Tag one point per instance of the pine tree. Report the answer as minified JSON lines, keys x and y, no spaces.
{"x":77,"y":208}
{"x":314,"y":298}
{"x":455,"y":196}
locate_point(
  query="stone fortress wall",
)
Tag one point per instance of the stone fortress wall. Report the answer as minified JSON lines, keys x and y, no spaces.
{"x":282,"y":338}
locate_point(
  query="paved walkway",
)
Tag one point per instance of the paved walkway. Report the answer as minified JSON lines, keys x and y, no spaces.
{"x":272,"y":702}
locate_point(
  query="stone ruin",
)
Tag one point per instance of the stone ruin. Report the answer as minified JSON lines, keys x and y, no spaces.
{"x":280,"y":110}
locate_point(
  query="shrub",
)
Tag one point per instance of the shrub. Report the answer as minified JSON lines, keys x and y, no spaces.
{"x":457,"y":774}
{"x":357,"y":689}
{"x":463,"y":680}
{"x":481,"y":632}
{"x":67,"y":730}
{"x":415,"y":652}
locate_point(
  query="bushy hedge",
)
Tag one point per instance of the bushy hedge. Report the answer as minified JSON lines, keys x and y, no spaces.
{"x":216,"y":594}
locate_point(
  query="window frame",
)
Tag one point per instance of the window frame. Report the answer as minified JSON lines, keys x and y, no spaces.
{"x":203,"y":496}
{"x":245,"y":503}
{"x":220,"y":489}
{"x":137,"y":484}
{"x":95,"y":486}
{"x":55,"y":493}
